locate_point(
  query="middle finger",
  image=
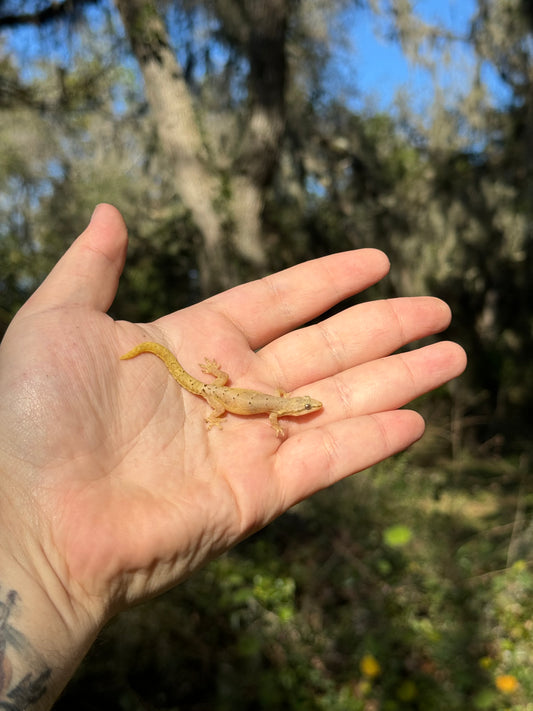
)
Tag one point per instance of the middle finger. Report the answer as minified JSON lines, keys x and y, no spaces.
{"x":357,"y":335}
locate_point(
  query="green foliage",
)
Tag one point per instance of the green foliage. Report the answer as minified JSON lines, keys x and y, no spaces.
{"x":397,"y":536}
{"x":510,"y":611}
{"x":320,"y":612}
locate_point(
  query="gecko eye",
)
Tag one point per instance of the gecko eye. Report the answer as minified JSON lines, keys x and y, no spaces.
{"x":307,"y":405}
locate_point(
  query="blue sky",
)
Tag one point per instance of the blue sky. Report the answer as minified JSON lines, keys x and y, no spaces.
{"x":382,"y":68}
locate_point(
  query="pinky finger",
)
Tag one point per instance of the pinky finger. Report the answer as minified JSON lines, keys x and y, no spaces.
{"x":320,"y":457}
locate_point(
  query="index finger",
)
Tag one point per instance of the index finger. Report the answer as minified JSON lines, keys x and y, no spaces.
{"x":266,"y":308}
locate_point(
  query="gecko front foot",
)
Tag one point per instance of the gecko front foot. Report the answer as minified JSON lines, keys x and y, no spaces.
{"x":273,"y":419}
{"x":211,"y":367}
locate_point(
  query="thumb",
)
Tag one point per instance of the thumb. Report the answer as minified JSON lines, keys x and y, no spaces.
{"x":89,"y":271}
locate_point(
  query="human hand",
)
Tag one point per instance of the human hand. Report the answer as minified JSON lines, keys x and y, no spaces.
{"x":107,"y":465}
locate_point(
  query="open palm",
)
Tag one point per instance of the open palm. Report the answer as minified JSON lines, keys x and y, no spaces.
{"x":129,"y":491}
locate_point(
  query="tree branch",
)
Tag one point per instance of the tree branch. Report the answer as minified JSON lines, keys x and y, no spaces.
{"x":51,"y":13}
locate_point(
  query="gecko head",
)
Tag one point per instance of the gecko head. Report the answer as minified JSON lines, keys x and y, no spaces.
{"x":304,"y":405}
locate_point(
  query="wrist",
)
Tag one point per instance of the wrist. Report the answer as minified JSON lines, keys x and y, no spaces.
{"x":44,"y":634}
{"x":41,"y":642}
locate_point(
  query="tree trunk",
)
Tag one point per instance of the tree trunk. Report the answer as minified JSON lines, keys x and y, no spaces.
{"x":228,"y":220}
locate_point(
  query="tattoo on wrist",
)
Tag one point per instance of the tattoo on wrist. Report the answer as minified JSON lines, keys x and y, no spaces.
{"x":23,"y":675}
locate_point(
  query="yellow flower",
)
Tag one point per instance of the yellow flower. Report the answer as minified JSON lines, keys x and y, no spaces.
{"x":507,"y":683}
{"x":369,"y":666}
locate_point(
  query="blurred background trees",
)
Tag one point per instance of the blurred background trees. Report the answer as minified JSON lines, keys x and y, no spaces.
{"x":236,"y":140}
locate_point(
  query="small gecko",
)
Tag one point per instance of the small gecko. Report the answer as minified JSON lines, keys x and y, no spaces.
{"x":226,"y":399}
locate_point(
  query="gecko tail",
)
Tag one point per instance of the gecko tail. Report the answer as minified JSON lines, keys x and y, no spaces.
{"x":146,"y":347}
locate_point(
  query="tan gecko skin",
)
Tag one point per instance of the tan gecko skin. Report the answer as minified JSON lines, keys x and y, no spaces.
{"x":222,"y":398}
